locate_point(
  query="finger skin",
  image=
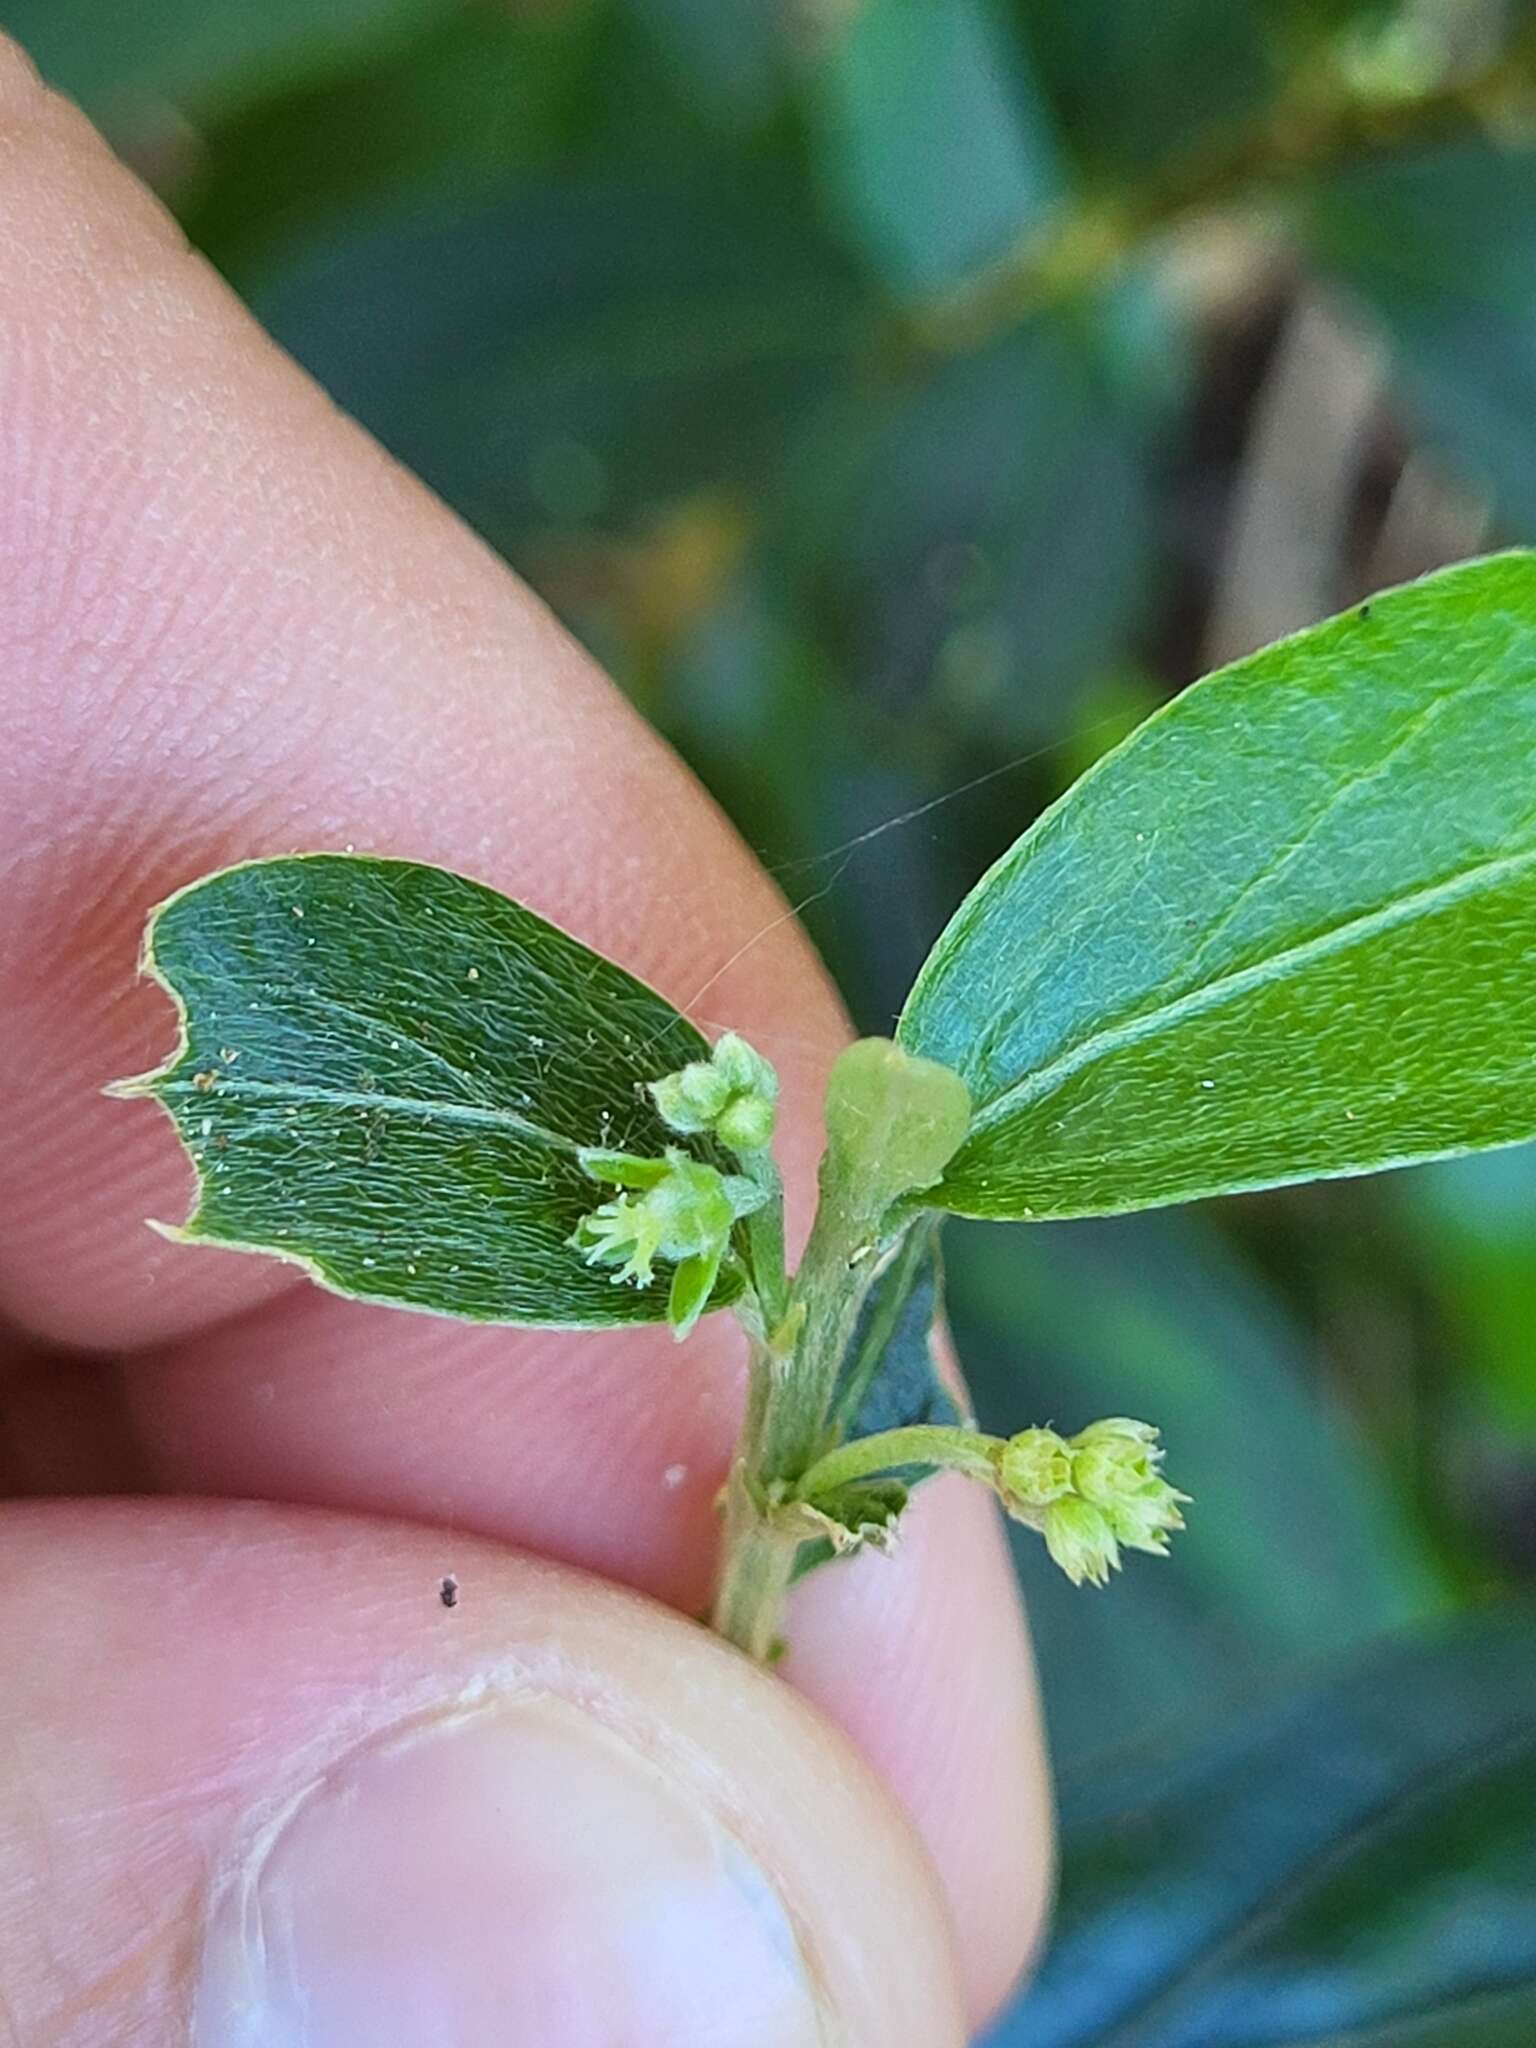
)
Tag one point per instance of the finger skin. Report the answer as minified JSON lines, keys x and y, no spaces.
{"x":616,"y":1466}
{"x":230,"y":626}
{"x":252,"y":1648}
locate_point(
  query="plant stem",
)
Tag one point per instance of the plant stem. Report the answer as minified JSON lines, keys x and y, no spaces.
{"x":765,"y":1239}
{"x":958,"y":1450}
{"x":758,"y":1562}
{"x":792,"y":1378}
{"x":827,"y":1295}
{"x":893,"y":1120}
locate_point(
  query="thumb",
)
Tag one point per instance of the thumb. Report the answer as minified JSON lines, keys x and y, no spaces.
{"x":327,"y":1810}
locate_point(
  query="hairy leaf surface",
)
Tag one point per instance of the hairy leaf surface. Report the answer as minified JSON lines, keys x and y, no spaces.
{"x":386,"y":1073}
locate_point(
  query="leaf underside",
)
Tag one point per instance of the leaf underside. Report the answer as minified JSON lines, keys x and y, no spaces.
{"x":385,"y":1074}
{"x":1286,"y":930}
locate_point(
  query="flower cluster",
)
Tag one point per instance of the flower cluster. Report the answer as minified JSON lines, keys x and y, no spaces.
{"x":732,"y":1095}
{"x":1091,"y":1494}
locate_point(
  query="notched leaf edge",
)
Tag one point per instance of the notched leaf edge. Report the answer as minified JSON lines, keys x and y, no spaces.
{"x":150,"y":1084}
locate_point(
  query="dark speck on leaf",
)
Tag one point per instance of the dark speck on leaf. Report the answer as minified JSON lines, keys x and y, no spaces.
{"x":1365,"y":611}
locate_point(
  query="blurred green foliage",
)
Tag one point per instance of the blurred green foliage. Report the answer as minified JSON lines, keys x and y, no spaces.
{"x":1440,"y":249}
{"x":933,"y":146}
{"x":901,"y":396}
{"x":1349,"y":1864}
{"x":1297,"y":1551}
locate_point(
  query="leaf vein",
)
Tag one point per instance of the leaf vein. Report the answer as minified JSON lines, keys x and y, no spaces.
{"x":1427,"y":901}
{"x":1405,"y":738}
{"x":431,"y":1110}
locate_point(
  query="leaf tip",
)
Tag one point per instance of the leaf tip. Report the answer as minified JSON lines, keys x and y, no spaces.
{"x":174,"y":1233}
{"x":131,"y":1087}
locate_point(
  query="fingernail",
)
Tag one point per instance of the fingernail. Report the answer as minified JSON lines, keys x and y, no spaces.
{"x":516,"y":1874}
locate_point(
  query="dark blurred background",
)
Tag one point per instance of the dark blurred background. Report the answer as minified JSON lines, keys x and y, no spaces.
{"x":901,"y":397}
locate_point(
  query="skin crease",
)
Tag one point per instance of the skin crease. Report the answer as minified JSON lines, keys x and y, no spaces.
{"x":230,"y":626}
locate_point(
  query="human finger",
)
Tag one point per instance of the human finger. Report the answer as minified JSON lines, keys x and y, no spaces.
{"x":236,"y":628}
{"x":324,"y":1807}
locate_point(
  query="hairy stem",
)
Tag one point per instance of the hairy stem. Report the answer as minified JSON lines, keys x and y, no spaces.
{"x":827,"y":1295}
{"x":754,"y":1580}
{"x":792,"y":1379}
{"x":957,"y":1450}
{"x":893,"y":1120}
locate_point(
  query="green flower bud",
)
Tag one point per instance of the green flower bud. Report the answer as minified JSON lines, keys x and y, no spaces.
{"x":1081,"y":1540}
{"x":746,"y":1123}
{"x":744,"y":1068}
{"x":894,"y":1121}
{"x":1034,"y":1468}
{"x":1109,"y":1461}
{"x":732,"y":1094}
{"x":690,"y":1100}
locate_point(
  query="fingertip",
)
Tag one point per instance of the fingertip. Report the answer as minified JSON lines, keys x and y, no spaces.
{"x":20,"y":79}
{"x":553,"y":1813}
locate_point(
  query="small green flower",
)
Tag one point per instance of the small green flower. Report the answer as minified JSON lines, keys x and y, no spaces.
{"x":733,"y":1095}
{"x":682,"y":1212}
{"x":1034,"y":1468}
{"x":1080,"y":1539}
{"x":1090,"y":1495}
{"x":1115,"y":1468}
{"x":690,"y":1100}
{"x":623,"y":1233}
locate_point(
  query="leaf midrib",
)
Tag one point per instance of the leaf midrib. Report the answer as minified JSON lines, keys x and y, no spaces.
{"x":1044,"y":1081}
{"x":426,"y":1108}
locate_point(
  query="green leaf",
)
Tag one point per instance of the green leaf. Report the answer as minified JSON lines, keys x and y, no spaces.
{"x":1136,"y":84}
{"x":202,"y":54}
{"x":1299,"y":1545}
{"x":567,"y":357}
{"x":386,"y":1074}
{"x":736,"y":51}
{"x":1351,"y":1863}
{"x":1438,"y":247}
{"x":477,"y":98}
{"x":1286,"y":930}
{"x":934,"y":147}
